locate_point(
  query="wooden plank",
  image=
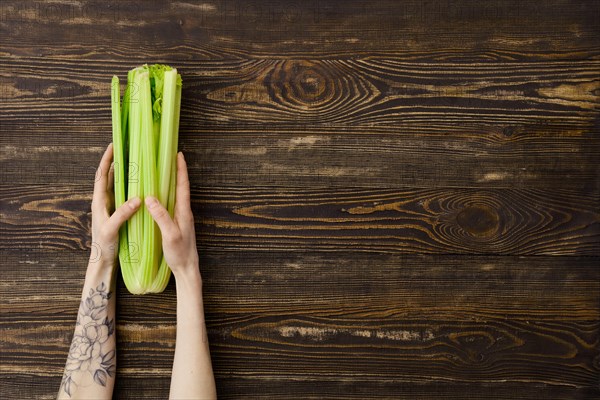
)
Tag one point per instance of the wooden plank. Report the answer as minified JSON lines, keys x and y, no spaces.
{"x":458,"y":30}
{"x":361,"y":389}
{"x":438,"y":221}
{"x":372,"y":158}
{"x":369,"y":91}
{"x":409,"y":124}
{"x":397,"y":321}
{"x":269,"y":278}
{"x":157,"y":388}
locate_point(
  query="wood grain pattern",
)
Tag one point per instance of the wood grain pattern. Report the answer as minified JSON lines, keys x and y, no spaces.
{"x":370,"y":317}
{"x":380,"y":122}
{"x":441,"y":221}
{"x":504,"y":29}
{"x":392,"y":199}
{"x":334,"y":157}
{"x":370,"y":91}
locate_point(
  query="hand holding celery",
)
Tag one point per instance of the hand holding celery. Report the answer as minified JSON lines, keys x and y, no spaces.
{"x":192,"y":369}
{"x":105,"y":227}
{"x":91,"y":364}
{"x":178,"y":234}
{"x":145,"y":136}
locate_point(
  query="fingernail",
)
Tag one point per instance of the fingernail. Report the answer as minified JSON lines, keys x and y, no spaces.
{"x":182,"y":155}
{"x":151,"y":202}
{"x":134,"y":203}
{"x":109,"y":146}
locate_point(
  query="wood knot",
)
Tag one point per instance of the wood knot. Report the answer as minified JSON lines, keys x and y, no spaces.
{"x":309,"y":84}
{"x":305,"y":85}
{"x":509,"y":130}
{"x":479,"y":220}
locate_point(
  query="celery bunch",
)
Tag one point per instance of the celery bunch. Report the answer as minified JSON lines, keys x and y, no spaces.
{"x":145,"y":135}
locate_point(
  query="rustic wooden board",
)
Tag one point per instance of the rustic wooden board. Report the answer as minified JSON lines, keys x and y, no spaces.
{"x":392,"y":199}
{"x":438,"y":221}
{"x":394,"y":322}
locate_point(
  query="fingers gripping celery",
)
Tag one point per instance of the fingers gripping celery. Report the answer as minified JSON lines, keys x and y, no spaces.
{"x":145,"y":138}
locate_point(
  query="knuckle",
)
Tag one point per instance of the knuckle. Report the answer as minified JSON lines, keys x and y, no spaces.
{"x":161,"y":213}
{"x":119,"y":214}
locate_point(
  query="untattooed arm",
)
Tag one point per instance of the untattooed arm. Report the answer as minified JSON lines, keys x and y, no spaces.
{"x":192,"y":370}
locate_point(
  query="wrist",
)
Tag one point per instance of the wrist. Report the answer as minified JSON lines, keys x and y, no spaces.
{"x":100,"y":262}
{"x":190,"y":273}
{"x":100,"y":267}
{"x":101,"y":271}
{"x":102,"y":256}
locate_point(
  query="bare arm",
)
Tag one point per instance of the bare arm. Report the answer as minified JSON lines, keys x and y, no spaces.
{"x":192,"y":370}
{"x":91,"y":363}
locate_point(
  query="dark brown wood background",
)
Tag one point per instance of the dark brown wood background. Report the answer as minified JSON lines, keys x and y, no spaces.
{"x":393,"y":199}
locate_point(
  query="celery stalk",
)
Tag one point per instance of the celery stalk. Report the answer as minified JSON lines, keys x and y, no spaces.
{"x":166,"y":150}
{"x":145,"y":137}
{"x":173,"y":180}
{"x":119,"y":172}
{"x":134,"y":187}
{"x":119,"y":186}
{"x":150,"y":245}
{"x":164,"y":270}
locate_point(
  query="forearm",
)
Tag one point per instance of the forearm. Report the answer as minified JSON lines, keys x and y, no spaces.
{"x":192,"y":370}
{"x":91,"y":363}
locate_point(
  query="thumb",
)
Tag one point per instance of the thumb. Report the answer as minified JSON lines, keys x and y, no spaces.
{"x":122,"y":214}
{"x":161,"y":217}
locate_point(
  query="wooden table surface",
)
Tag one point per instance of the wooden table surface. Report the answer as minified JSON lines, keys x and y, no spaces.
{"x":392,"y":199}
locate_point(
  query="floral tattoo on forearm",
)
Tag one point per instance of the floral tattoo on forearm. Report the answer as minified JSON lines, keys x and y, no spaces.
{"x":90,"y":361}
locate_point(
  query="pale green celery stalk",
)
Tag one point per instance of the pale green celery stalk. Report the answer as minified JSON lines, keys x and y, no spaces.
{"x":150,"y":247}
{"x":119,"y":186}
{"x":128,"y":264}
{"x":134,"y":187}
{"x":166,"y":148}
{"x":125,"y":125}
{"x":119,"y":170}
{"x":126,"y":101}
{"x":164,"y":272}
{"x":155,"y":137}
{"x":173,"y":180}
{"x":145,"y":136}
{"x":156,"y":85}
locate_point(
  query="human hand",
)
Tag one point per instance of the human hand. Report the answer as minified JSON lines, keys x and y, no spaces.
{"x":178,"y":234}
{"x":105,"y":227}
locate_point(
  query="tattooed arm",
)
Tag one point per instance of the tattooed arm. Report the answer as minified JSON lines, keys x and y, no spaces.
{"x":91,"y":363}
